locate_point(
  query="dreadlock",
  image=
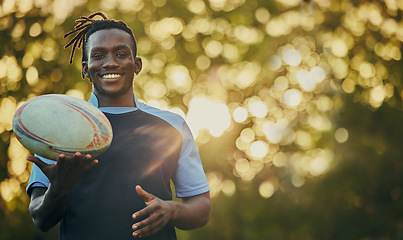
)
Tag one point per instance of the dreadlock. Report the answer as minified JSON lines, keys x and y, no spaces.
{"x":87,"y":26}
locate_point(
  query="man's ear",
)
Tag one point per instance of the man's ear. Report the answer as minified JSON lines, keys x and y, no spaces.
{"x":84,"y":70}
{"x":138,"y":65}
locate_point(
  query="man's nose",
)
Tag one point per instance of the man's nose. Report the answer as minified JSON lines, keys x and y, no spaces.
{"x":110,"y":61}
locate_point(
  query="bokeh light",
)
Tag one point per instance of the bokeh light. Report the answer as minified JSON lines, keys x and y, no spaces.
{"x":266,"y":189}
{"x":292,"y":57}
{"x":206,"y":114}
{"x":292,"y":98}
{"x":341,"y":135}
{"x":240,"y":114}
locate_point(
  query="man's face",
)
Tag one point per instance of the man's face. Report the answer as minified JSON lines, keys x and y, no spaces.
{"x":111,"y":63}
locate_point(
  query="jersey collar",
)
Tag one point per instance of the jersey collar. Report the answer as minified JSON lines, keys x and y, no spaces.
{"x":115,"y":110}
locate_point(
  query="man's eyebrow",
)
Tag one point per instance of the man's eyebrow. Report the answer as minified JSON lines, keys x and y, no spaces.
{"x":94,"y":49}
{"x":118,"y":47}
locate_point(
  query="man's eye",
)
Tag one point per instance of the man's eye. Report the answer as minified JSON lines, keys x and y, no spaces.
{"x":121,"y":54}
{"x":97,"y":56}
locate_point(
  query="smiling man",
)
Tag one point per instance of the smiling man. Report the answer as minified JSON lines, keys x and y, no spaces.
{"x":111,"y":66}
{"x":126,"y":192}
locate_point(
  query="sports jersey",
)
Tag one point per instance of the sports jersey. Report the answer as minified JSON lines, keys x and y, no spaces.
{"x":150,"y":147}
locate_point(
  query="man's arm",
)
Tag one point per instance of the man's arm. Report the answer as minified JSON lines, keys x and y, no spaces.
{"x":191,"y":213}
{"x":48,"y":205}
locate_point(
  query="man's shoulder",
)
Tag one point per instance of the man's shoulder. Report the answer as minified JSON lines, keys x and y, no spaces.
{"x":157,"y":111}
{"x":172,"y":118}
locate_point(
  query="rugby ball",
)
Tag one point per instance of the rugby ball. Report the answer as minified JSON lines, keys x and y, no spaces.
{"x":52,"y":124}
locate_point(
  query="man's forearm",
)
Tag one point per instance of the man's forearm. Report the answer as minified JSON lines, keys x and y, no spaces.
{"x":193,"y":212}
{"x":47,"y":207}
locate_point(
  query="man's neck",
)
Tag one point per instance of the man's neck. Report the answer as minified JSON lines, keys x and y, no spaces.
{"x":126,"y":100}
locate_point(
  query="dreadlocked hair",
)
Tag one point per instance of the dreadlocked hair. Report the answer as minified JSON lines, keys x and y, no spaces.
{"x":87,"y":26}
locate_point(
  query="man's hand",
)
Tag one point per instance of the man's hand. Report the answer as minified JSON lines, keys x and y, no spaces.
{"x":64,"y":174}
{"x":191,"y":213}
{"x":159,"y":213}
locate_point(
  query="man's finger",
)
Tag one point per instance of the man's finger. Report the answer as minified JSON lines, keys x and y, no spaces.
{"x":147,"y":227}
{"x":60,"y":159}
{"x":92,"y":163}
{"x":142,"y":213}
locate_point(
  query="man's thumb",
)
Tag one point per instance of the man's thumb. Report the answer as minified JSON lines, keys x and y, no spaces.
{"x":144,"y":194}
{"x":37,"y":161}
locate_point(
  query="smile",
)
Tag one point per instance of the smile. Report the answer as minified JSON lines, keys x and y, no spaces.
{"x":111,"y":76}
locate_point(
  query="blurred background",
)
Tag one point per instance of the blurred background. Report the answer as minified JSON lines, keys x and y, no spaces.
{"x":296,"y":106}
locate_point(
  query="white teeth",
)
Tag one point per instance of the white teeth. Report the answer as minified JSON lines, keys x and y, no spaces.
{"x":113,"y":75}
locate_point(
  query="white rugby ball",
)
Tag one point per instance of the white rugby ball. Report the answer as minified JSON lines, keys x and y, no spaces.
{"x":52,"y":124}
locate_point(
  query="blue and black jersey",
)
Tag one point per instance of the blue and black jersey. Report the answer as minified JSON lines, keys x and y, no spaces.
{"x":150,"y":148}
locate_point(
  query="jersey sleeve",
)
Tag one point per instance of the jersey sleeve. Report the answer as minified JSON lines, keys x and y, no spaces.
{"x":38,"y":178}
{"x":190,"y":179}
